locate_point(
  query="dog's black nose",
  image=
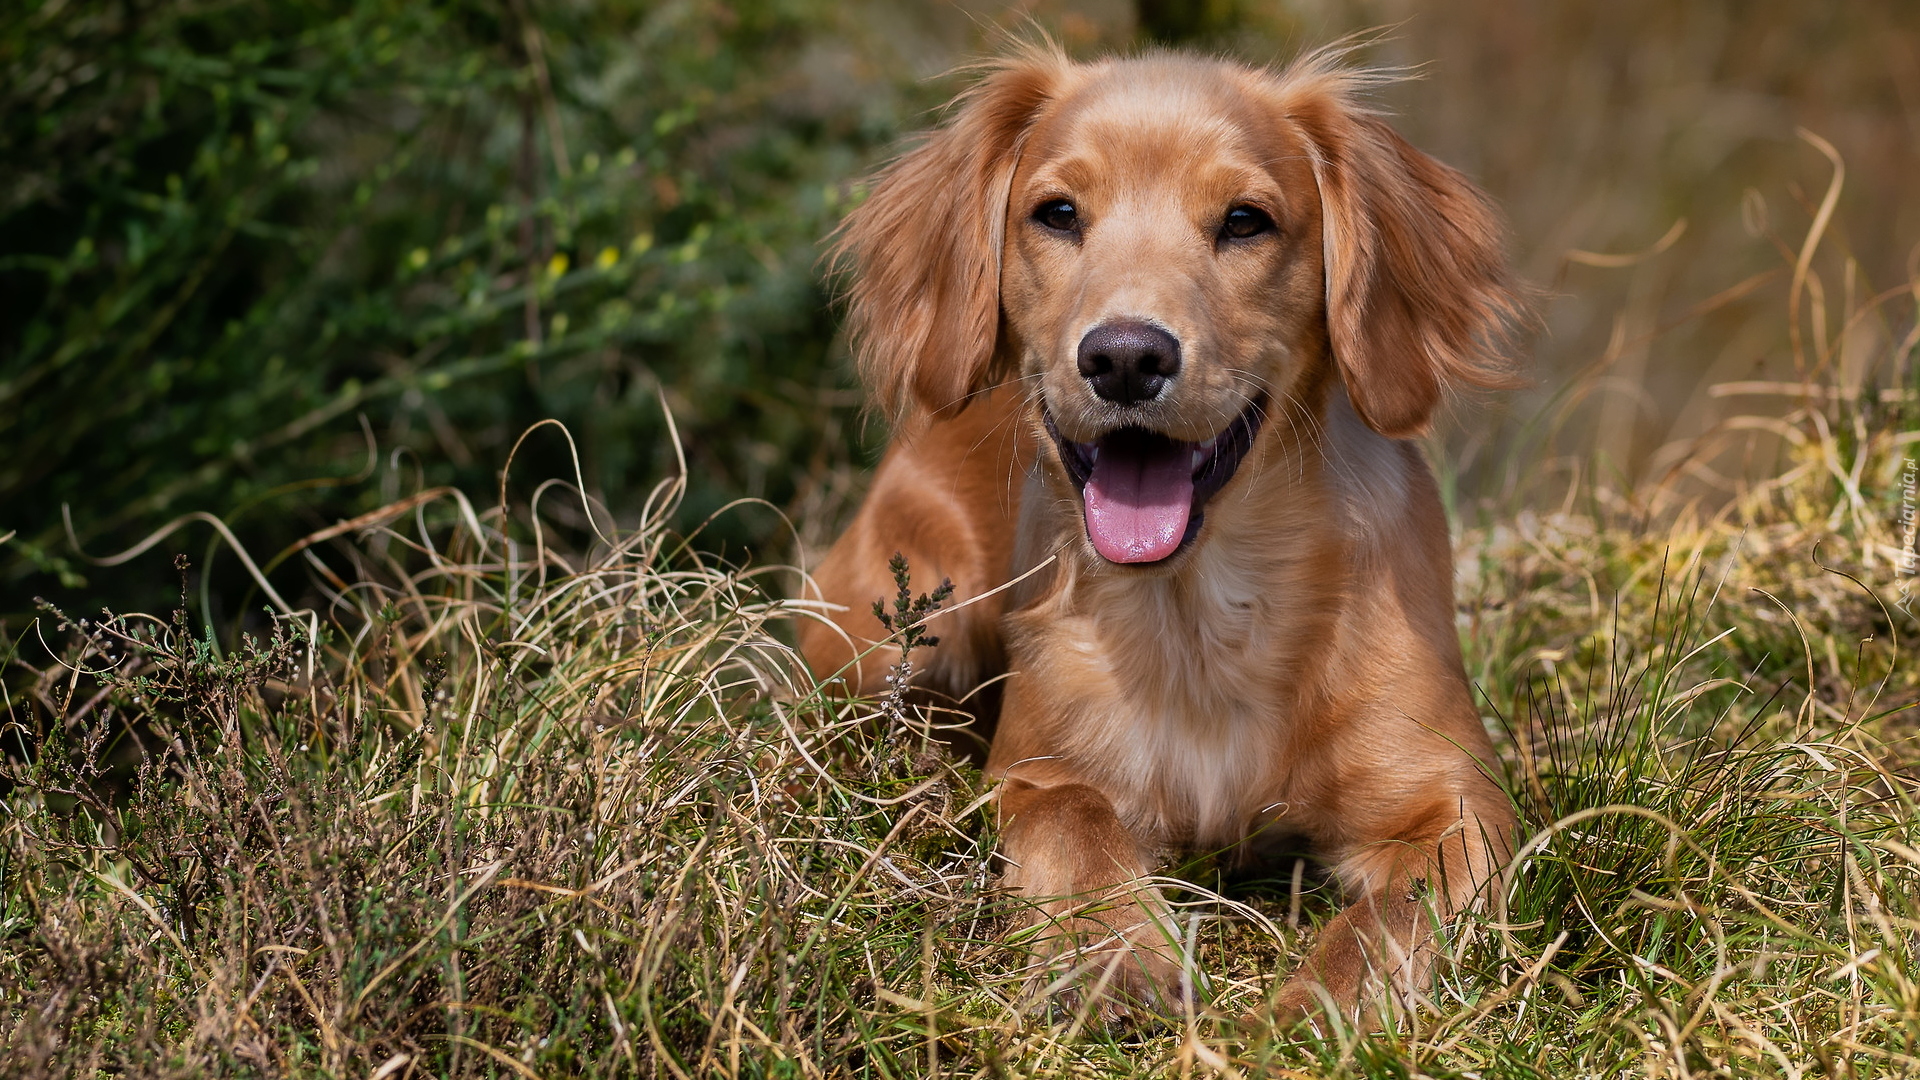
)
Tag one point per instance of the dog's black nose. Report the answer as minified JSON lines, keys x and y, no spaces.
{"x":1129,"y":362}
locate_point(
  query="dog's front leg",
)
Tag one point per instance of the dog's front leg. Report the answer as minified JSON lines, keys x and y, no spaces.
{"x":946,"y":497}
{"x":1378,"y":945}
{"x":1102,"y":931}
{"x":1379,"y":951}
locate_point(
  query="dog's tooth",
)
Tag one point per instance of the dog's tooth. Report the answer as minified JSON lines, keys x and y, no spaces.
{"x":1199,"y":455}
{"x":1093,"y":452}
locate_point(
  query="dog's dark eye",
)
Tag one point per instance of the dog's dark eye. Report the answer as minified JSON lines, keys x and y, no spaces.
{"x":1058,"y":215}
{"x":1245,"y":221}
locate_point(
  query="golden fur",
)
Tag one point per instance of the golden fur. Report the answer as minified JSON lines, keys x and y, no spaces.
{"x":1293,"y":669}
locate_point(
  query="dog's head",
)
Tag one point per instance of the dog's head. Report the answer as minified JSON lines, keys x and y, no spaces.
{"x":1164,"y":251}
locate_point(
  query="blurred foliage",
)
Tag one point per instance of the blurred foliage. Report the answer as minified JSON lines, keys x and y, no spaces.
{"x":1648,"y":157}
{"x":251,"y":252}
{"x":287,"y":262}
{"x":1176,"y":22}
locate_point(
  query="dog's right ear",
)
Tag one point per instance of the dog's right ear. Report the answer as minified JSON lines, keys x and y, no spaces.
{"x":924,"y":249}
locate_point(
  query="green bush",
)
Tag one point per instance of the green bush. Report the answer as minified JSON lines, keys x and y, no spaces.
{"x":286,"y":262}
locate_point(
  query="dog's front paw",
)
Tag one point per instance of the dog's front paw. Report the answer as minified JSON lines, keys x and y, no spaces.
{"x":1132,"y":985}
{"x":1116,"y":983}
{"x":1340,"y":980}
{"x":1305,"y":999}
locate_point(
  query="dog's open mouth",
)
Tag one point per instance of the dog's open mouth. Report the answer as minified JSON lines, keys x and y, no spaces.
{"x":1144,"y":493}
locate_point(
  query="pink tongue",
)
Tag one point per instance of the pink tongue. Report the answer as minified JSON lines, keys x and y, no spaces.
{"x":1138,"y":499}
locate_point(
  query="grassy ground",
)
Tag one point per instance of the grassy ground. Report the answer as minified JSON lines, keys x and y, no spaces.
{"x":510,"y":810}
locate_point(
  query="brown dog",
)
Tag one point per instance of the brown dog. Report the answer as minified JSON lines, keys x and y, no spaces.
{"x":1161,"y":327}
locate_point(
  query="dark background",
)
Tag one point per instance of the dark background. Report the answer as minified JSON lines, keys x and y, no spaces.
{"x":288,"y":262}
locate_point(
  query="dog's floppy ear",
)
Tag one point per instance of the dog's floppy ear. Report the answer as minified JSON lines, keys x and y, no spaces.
{"x":1418,"y":293}
{"x":924,"y":252}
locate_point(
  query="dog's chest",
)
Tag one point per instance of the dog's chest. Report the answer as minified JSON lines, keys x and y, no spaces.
{"x":1186,"y":717}
{"x":1188,"y":779}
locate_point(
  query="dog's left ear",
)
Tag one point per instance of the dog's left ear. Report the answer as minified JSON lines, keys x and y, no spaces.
{"x":1418,"y":293}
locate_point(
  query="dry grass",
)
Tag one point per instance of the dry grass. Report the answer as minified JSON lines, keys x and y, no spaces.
{"x":501,"y":807}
